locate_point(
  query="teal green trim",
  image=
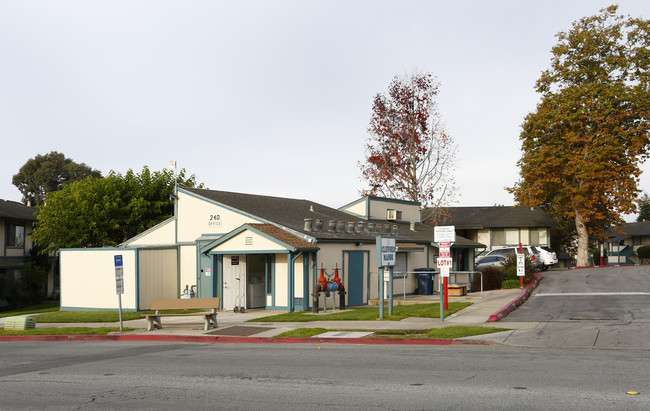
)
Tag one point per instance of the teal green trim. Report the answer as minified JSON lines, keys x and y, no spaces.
{"x":305,"y":282}
{"x":218,"y":284}
{"x":273,"y":279}
{"x":247,"y":227}
{"x":178,"y":272}
{"x":393,"y":200}
{"x":249,"y":252}
{"x":137,"y":280}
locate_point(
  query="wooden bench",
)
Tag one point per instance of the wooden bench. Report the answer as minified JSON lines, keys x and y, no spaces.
{"x":210,"y":318}
{"x":457,"y":289}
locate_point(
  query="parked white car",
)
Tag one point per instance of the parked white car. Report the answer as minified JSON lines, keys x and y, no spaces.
{"x":529,"y":250}
{"x":490,"y":261}
{"x":547,"y":256}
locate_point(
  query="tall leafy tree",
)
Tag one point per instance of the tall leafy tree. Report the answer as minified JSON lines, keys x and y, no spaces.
{"x":99,"y":212}
{"x":47,"y":173}
{"x":643,"y":205}
{"x":583,"y":145}
{"x":408,"y":153}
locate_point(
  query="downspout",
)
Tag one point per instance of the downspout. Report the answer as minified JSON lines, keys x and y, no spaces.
{"x":292,"y":281}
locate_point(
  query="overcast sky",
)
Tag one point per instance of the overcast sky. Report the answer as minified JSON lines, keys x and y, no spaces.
{"x":270,"y":97}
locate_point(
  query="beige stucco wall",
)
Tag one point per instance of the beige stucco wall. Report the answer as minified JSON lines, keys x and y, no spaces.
{"x":409,"y":212}
{"x":281,"y":278}
{"x":248,"y":241}
{"x":88,"y":279}
{"x":357,"y":209}
{"x":163,"y":234}
{"x":198,"y":216}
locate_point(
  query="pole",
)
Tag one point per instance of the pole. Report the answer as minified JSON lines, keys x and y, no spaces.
{"x":390,"y":290}
{"x":120,"y":305}
{"x":442,"y":304}
{"x":380,"y":282}
{"x":521,"y":278}
{"x":446,"y":294}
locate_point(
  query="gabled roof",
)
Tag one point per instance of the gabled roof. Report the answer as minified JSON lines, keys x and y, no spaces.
{"x":17,"y":211}
{"x":291,"y":213}
{"x":498,"y":217}
{"x":628,"y":230}
{"x":277,"y":235}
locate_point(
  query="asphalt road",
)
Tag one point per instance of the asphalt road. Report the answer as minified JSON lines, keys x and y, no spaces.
{"x":607,"y":307}
{"x":110,"y":375}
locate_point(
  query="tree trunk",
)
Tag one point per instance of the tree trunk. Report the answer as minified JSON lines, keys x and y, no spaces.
{"x":583,"y":241}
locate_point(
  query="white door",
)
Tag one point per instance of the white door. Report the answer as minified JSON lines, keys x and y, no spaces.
{"x":234,"y":281}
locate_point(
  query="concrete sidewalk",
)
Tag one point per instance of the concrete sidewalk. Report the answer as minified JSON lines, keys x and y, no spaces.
{"x":235,"y":324}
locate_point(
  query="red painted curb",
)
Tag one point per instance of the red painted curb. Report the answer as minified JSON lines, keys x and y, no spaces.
{"x":517,"y":301}
{"x":238,"y":340}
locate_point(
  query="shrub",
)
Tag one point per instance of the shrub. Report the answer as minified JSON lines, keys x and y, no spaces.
{"x":511,"y":273}
{"x":492,"y":279}
{"x":596,"y":256}
{"x":511,"y":284}
{"x":530,"y":267}
{"x":644,"y":253}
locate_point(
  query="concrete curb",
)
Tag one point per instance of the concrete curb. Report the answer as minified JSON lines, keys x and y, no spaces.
{"x":517,"y":301}
{"x":204,"y":339}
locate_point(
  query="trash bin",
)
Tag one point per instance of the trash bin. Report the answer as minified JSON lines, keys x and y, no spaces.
{"x":425,"y":280}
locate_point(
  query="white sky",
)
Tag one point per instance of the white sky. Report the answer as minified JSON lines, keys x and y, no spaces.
{"x":270,"y":97}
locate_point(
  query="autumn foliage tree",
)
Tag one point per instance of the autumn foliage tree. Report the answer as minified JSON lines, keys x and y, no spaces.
{"x":408,"y":153}
{"x":583,"y":145}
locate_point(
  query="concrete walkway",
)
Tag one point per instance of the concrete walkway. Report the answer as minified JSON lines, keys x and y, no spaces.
{"x":235,"y":324}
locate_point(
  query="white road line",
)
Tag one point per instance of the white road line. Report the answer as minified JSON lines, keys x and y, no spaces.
{"x":588,"y":294}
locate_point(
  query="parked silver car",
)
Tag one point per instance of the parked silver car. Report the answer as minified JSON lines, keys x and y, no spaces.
{"x":529,"y":250}
{"x":489,"y":261}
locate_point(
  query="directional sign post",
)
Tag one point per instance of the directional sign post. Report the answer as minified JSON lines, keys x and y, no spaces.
{"x":119,"y":284}
{"x":386,"y":249}
{"x":445,"y":237}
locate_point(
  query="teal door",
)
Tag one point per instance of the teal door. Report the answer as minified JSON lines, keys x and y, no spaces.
{"x":355,"y":278}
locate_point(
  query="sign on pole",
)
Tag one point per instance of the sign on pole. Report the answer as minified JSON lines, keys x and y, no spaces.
{"x":119,"y":284}
{"x":444,"y":234}
{"x":521,"y":264}
{"x":386,"y":250}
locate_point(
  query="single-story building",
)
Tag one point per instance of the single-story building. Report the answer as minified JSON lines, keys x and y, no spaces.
{"x":258,"y":252}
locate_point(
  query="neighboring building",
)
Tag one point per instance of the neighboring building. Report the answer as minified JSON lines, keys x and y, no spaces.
{"x":502,"y":226}
{"x":16,"y":222}
{"x":257,"y":251}
{"x":622,"y":242}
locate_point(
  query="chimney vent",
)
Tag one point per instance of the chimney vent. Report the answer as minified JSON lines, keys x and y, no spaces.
{"x":308,"y":224}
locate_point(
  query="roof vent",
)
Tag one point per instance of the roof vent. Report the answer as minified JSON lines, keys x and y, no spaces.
{"x":319,"y":225}
{"x":395,"y":230}
{"x":412,"y":227}
{"x":350,"y":228}
{"x":308,"y":224}
{"x":340,"y":226}
{"x":332,"y":225}
{"x":359,"y":227}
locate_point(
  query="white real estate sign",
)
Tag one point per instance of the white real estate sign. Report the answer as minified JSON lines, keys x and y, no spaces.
{"x":444,"y":234}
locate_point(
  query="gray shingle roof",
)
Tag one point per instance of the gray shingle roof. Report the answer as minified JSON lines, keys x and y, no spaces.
{"x":291,"y":213}
{"x":16,"y":211}
{"x":628,"y":230}
{"x":498,"y":217}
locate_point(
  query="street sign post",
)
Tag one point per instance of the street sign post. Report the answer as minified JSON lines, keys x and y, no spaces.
{"x":445,"y":237}
{"x":119,"y":284}
{"x":386,"y":249}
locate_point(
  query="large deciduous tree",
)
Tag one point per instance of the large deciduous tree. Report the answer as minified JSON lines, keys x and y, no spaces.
{"x":408,"y":153}
{"x":643,"y":204}
{"x":583,"y":145}
{"x":47,"y":173}
{"x":99,"y":212}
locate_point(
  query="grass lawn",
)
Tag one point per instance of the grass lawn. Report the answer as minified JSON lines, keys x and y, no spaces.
{"x":65,"y":331}
{"x":400,"y":312}
{"x":86,"y":317}
{"x":40,"y":308}
{"x":451,"y":332}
